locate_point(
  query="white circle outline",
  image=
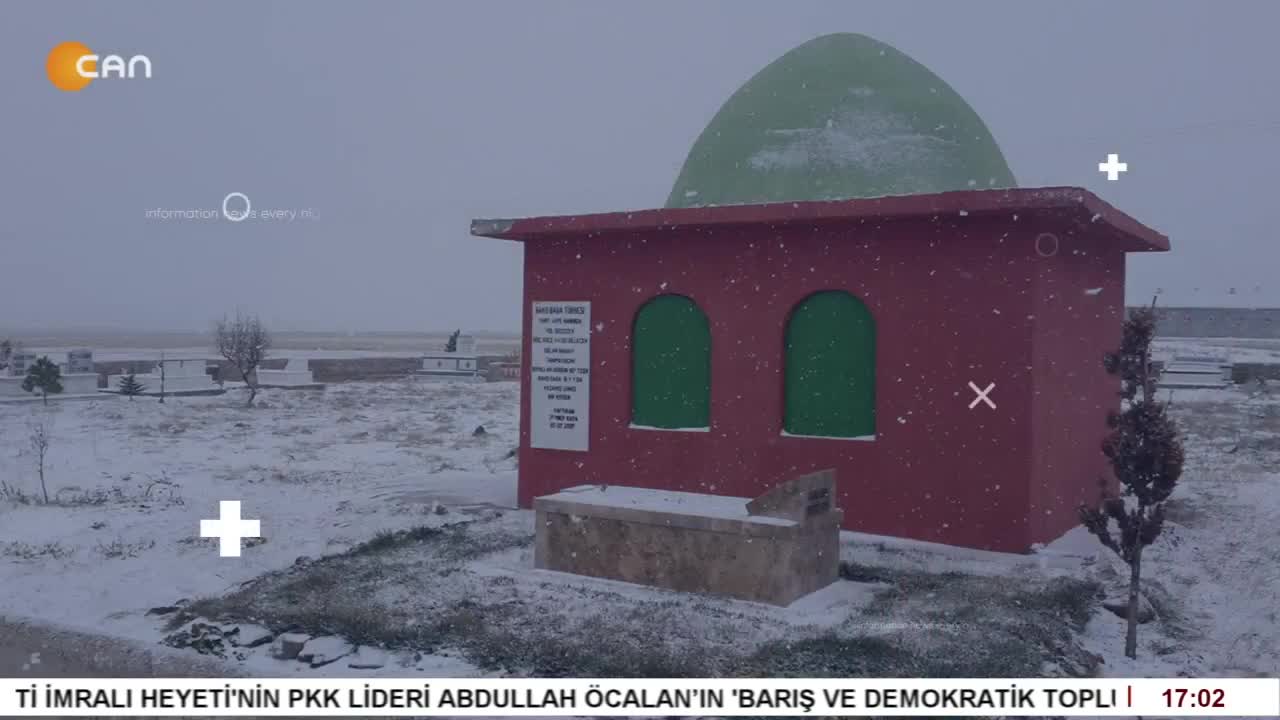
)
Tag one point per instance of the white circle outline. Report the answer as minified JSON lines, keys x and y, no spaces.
{"x":247,"y":206}
{"x":1050,"y":236}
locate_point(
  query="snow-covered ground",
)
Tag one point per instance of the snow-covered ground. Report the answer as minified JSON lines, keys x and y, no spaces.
{"x":127,"y":354}
{"x":129,"y":482}
{"x":1216,"y":567}
{"x":1236,"y":350}
{"x":119,"y":347}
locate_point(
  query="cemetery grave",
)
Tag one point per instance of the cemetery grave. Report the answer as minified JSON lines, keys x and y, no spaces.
{"x":295,"y":375}
{"x":78,"y":378}
{"x":173,"y":376}
{"x":1192,"y":371}
{"x":461,"y":362}
{"x":775,"y":549}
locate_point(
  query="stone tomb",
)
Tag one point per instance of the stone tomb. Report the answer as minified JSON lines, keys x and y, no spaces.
{"x":188,"y":376}
{"x":78,"y":375}
{"x":775,"y":549}
{"x":12,"y":376}
{"x":295,"y":375}
{"x":19,"y":361}
{"x":1196,"y":372}
{"x":461,"y":363}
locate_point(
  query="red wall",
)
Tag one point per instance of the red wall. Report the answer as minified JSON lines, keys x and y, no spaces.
{"x":954,"y":301}
{"x":1080,"y":308}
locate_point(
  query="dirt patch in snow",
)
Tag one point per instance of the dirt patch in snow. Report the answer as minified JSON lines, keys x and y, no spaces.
{"x":468,"y":589}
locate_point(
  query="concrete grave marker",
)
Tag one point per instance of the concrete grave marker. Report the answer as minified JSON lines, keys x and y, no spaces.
{"x":296,"y":374}
{"x":775,"y":549}
{"x":11,"y":378}
{"x":20,"y":361}
{"x":459,"y":363}
{"x":80,"y":361}
{"x":798,"y":499}
{"x":182,"y":376}
{"x":79,"y":376}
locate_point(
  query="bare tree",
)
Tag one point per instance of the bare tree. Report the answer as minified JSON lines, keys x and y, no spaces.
{"x":1146,"y":456}
{"x":244,"y":342}
{"x":39,"y":439}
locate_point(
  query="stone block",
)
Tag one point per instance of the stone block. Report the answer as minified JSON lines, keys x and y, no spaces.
{"x":294,"y":375}
{"x":799,"y":499}
{"x":693,"y":542}
{"x":287,"y":646}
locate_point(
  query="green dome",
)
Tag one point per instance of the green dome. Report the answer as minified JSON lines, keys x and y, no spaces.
{"x":841,"y":116}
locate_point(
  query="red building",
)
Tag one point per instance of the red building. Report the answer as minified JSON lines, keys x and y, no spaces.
{"x":942,"y":352}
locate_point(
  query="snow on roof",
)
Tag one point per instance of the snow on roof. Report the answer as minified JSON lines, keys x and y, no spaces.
{"x":1069,"y":203}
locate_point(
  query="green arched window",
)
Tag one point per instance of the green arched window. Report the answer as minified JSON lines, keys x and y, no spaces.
{"x":671,"y":365}
{"x":830,"y":367}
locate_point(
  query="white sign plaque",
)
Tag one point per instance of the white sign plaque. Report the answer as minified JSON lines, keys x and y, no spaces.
{"x":560,"y":374}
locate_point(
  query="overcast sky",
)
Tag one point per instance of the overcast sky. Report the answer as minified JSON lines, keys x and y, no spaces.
{"x":396,"y":123}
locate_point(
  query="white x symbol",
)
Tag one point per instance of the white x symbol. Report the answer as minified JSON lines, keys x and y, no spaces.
{"x":982,"y":395}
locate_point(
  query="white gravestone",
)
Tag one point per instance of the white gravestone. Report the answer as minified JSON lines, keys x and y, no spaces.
{"x":11,"y":378}
{"x":80,"y":377}
{"x":80,"y":361}
{"x":185,"y":376}
{"x":294,"y":374}
{"x":458,"y":363}
{"x":19,"y":362}
{"x":74,"y":379}
{"x":560,"y":374}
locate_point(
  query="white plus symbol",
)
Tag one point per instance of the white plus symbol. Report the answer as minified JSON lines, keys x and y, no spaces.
{"x":1113,"y":167}
{"x":229,"y":528}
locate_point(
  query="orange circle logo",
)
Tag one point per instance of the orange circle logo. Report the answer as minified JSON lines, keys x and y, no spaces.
{"x":64,"y":66}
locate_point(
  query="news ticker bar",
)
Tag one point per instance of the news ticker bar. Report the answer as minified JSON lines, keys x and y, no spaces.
{"x":158,"y":697}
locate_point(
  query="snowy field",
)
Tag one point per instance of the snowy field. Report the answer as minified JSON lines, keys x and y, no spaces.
{"x":121,"y":346}
{"x":388,"y":524}
{"x":129,"y":482}
{"x":1236,"y":350}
